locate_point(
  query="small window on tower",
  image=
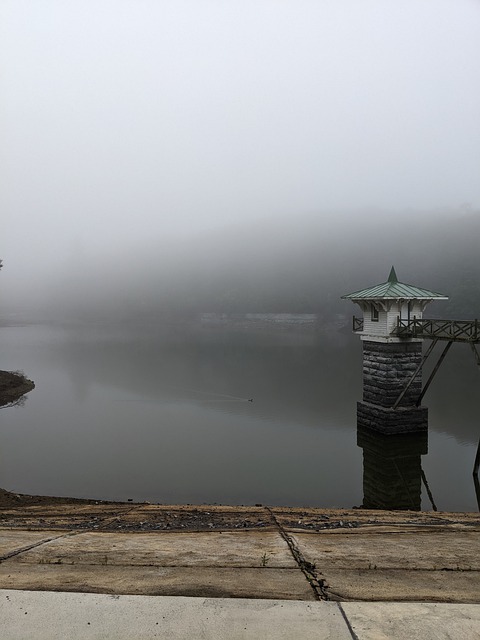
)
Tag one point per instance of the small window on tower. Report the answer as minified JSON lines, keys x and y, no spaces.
{"x":374,"y":315}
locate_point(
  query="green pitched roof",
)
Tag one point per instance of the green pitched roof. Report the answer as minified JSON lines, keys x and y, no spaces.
{"x":392,"y":289}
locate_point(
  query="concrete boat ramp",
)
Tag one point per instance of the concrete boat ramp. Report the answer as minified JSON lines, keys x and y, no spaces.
{"x":116,"y":570}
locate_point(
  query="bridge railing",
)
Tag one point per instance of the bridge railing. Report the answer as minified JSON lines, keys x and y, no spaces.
{"x":455,"y":330}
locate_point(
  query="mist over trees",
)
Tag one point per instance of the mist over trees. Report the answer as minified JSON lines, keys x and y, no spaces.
{"x":300,"y":265}
{"x":161,"y":162}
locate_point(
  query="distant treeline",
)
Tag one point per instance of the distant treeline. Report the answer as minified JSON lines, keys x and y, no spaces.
{"x":292,"y":266}
{"x":306,"y":268}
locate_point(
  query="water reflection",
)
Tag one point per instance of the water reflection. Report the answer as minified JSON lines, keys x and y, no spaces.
{"x":165,"y":417}
{"x":392,"y":468}
{"x":393,"y":473}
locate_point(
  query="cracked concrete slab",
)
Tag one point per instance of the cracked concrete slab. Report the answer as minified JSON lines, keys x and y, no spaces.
{"x":217,"y":582}
{"x":69,"y":616}
{"x":12,"y":541}
{"x":402,"y":621}
{"x":428,"y":550}
{"x":398,"y":565}
{"x":212,"y":549}
{"x":125,"y":549}
{"x":402,"y":586}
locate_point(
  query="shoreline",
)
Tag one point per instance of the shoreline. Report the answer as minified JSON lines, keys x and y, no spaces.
{"x":13,"y":387}
{"x":193,"y":517}
{"x":11,"y":499}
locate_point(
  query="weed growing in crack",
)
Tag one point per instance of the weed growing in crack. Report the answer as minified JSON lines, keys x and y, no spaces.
{"x":265,"y":559}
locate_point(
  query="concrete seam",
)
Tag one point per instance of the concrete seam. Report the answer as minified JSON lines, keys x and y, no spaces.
{"x":309,"y":571}
{"x":17,"y":552}
{"x":347,"y":622}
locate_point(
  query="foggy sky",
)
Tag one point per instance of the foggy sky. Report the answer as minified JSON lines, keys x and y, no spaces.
{"x":134,"y":128}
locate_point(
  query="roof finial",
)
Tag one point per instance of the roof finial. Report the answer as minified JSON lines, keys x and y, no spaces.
{"x":393,"y":276}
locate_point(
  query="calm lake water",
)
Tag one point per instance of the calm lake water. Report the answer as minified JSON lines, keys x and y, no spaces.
{"x":166,"y":417}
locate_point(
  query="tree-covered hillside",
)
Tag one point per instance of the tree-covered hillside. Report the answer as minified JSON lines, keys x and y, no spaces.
{"x":299,"y":265}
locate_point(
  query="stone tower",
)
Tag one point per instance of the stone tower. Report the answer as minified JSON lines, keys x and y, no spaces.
{"x":389,"y":361}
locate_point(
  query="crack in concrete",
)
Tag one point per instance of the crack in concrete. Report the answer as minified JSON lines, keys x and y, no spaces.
{"x":347,"y":622}
{"x":317,"y":584}
{"x":17,"y":552}
{"x":71,"y":532}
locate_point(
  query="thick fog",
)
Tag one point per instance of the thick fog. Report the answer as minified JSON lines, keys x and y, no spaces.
{"x":256,"y":155}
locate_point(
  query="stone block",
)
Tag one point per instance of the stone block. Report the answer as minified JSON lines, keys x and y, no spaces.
{"x":391,"y":421}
